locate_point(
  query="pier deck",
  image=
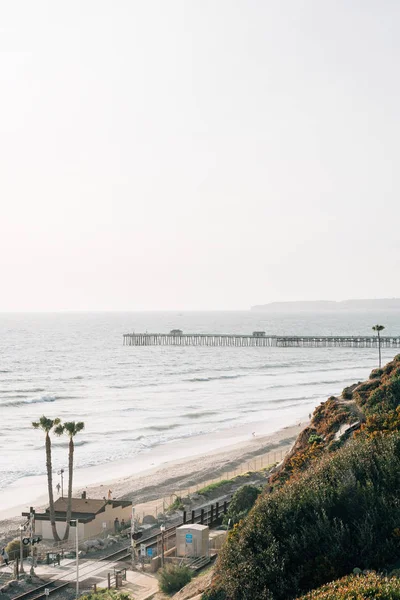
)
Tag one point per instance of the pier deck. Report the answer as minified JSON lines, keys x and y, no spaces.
{"x":285,"y":341}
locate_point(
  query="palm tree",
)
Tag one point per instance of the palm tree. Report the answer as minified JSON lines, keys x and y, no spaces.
{"x":47,"y":425}
{"x":71,"y":428}
{"x":378,"y":329}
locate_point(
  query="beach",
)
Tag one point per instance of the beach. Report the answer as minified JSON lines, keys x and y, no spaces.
{"x":159,"y":421}
{"x":165,"y":471}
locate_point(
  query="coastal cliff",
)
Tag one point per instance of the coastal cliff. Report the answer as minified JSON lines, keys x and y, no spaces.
{"x":330,"y":508}
{"x":329,"y":305}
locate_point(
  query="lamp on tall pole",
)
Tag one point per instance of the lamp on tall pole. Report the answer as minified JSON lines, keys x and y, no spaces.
{"x":378,"y":329}
{"x":21,"y":550}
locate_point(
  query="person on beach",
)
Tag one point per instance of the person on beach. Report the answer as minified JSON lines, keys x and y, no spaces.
{"x":109,"y":494}
{"x":4,"y":555}
{"x":58,"y":487}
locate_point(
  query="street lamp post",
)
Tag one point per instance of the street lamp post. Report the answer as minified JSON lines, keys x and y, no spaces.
{"x":378,"y":329}
{"x":21,"y":550}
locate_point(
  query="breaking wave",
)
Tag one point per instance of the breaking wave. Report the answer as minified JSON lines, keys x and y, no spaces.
{"x":31,"y":401}
{"x":198,"y":415}
{"x":216,"y":378}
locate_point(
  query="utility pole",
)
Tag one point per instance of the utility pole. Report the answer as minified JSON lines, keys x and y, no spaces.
{"x":133,"y":541}
{"x":162,"y":529}
{"x":32,"y":523}
{"x":75,"y":523}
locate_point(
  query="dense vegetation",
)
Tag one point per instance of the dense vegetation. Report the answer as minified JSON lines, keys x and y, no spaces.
{"x":379,"y":399}
{"x":334,"y":505}
{"x":317,"y":439}
{"x":173,"y":578}
{"x":13,"y":549}
{"x":242,"y":501}
{"x":358,"y":587}
{"x":105,"y":594}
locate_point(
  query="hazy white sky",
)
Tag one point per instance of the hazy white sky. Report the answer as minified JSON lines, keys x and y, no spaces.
{"x":196,"y":154}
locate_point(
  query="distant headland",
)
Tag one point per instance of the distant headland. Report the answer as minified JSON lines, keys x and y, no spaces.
{"x":329,"y":305}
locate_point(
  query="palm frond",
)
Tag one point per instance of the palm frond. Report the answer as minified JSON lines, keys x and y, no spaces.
{"x":59,"y":430}
{"x":73,"y":427}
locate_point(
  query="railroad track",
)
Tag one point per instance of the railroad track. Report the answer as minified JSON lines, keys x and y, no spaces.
{"x":152,"y":540}
{"x":39,"y":592}
{"x":86,"y":573}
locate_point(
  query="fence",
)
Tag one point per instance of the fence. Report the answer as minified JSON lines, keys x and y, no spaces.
{"x":257,"y":463}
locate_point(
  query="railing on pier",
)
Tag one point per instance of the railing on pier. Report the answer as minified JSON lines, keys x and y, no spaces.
{"x":217,"y":339}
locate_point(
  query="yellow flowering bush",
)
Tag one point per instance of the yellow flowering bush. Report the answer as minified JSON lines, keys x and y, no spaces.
{"x":358,"y":587}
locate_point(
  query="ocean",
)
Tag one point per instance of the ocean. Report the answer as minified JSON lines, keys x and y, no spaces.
{"x":133,"y":399}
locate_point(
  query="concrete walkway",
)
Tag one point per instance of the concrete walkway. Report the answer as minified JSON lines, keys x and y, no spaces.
{"x":143,"y":585}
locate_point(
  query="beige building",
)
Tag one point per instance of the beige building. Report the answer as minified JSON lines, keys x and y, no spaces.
{"x":94,"y":516}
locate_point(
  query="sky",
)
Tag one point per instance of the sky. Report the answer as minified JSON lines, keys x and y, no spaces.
{"x":198,"y":154}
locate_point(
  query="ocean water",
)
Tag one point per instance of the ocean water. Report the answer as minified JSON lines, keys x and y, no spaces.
{"x":132,"y":399}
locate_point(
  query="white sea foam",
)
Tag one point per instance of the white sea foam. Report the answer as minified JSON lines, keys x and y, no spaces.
{"x":74,"y":366}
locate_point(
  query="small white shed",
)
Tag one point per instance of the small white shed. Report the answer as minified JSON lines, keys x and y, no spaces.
{"x":192,"y":540}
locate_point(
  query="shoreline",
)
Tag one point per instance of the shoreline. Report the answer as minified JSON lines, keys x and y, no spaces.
{"x":159,"y":472}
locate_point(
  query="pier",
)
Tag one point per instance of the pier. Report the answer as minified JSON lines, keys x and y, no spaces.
{"x":176,"y":337}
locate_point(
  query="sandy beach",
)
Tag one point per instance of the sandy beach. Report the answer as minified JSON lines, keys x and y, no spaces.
{"x":156,"y":475}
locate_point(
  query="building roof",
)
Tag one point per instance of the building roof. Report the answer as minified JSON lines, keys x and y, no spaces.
{"x":84,"y":509}
{"x":194,"y":526}
{"x":79,"y":505}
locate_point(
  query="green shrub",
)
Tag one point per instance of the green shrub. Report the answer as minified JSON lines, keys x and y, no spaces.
{"x":105,"y":594}
{"x":358,"y":587}
{"x":242,"y":501}
{"x":315,"y":439}
{"x":334,"y":445}
{"x":208,"y":489}
{"x":173,"y":578}
{"x":343,"y":512}
{"x":347,"y":393}
{"x":376,"y":373}
{"x":214,"y":594}
{"x":176,"y":505}
{"x":14,"y":548}
{"x":395,"y":573}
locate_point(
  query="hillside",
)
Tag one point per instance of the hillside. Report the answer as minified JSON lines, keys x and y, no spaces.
{"x":332,"y":506}
{"x":329,"y":305}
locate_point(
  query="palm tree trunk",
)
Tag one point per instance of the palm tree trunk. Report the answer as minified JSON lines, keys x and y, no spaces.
{"x":379,"y":347}
{"x":50,"y":487}
{"x":70,"y":474}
